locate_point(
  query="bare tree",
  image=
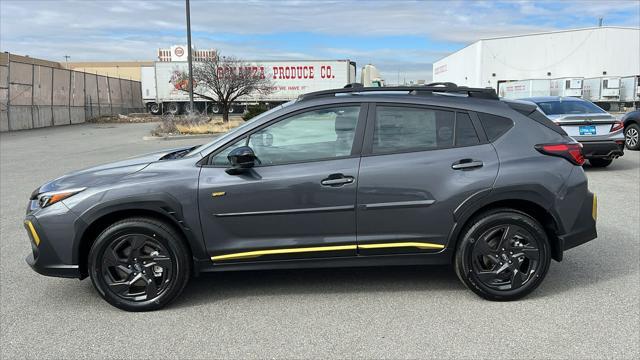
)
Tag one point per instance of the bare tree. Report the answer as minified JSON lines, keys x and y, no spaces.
{"x":227,"y":79}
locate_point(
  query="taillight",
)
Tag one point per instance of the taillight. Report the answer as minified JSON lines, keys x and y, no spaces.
{"x":569,"y":151}
{"x":616,"y":126}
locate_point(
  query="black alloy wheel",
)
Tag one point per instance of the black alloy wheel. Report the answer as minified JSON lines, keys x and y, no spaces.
{"x":504,"y":255}
{"x":139,"y":264}
{"x":137,"y":267}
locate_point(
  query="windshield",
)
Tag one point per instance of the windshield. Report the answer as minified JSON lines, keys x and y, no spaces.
{"x":239,"y":128}
{"x":559,"y":107}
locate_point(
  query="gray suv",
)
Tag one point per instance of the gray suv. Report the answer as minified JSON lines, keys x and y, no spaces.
{"x":349,"y":177}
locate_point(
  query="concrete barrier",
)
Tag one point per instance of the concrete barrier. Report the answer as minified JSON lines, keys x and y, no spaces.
{"x":34,"y":93}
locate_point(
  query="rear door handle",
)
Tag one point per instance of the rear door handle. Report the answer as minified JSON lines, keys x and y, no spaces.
{"x":337,"y":180}
{"x":466,"y":164}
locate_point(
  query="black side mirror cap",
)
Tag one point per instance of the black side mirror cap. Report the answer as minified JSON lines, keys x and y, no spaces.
{"x":241,"y":159}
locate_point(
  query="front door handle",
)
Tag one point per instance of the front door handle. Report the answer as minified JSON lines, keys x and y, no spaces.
{"x":337,"y":180}
{"x":466,"y":164}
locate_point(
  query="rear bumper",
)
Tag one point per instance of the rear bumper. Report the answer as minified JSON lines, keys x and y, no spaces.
{"x":602,"y":149}
{"x":584,"y":228}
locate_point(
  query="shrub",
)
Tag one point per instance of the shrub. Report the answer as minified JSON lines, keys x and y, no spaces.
{"x":254,"y":110}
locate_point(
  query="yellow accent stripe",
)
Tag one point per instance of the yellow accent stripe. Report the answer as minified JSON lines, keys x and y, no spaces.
{"x":218,"y":193}
{"x":251,"y":254}
{"x":594,"y":209}
{"x":34,"y":234}
{"x":258,"y":253}
{"x":419,"y":245}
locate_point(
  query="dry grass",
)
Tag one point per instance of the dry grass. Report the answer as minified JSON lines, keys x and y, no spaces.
{"x":211,"y":127}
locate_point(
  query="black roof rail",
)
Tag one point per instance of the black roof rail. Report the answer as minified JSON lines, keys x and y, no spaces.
{"x":451,"y":88}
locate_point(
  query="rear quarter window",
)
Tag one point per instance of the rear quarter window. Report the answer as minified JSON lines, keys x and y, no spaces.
{"x":494,"y":125}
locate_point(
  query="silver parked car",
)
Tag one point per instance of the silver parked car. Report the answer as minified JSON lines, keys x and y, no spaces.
{"x":600,"y":133}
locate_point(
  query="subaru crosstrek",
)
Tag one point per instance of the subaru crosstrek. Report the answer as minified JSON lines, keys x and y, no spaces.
{"x":349,"y":177}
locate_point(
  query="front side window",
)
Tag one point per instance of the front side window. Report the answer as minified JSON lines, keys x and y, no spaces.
{"x":313,"y":135}
{"x":405,"y":129}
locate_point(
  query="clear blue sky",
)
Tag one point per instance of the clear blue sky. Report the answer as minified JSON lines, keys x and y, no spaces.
{"x":403,"y":37}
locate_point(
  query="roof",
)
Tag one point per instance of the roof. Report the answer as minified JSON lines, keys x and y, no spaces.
{"x":536,"y":34}
{"x":551,"y":98}
{"x":559,"y":31}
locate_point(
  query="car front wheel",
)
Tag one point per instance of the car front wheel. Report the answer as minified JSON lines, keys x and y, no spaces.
{"x":139,"y":264}
{"x":503,"y":256}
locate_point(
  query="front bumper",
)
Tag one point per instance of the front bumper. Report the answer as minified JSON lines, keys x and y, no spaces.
{"x":44,"y":258}
{"x":602,"y":149}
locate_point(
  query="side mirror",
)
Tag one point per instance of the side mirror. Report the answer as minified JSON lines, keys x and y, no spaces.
{"x":241,"y":159}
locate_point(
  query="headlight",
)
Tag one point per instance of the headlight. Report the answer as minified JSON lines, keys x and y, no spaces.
{"x":52,"y":197}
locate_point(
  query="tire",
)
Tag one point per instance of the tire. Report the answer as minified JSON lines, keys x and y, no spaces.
{"x":511,"y":269}
{"x":600,"y":163}
{"x":214,"y":109}
{"x":154,"y":108}
{"x":139,"y":264}
{"x":632,"y":137}
{"x":172,"y":108}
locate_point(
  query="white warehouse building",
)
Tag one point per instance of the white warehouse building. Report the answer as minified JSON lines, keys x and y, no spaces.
{"x":586,"y":53}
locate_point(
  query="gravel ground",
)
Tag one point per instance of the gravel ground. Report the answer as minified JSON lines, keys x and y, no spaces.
{"x":588,"y":306}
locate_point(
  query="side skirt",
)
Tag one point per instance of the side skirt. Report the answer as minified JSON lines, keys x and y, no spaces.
{"x":440,"y":258}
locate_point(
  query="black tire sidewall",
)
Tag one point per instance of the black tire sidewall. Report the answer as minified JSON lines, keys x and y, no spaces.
{"x":481,"y":224}
{"x":163,"y":234}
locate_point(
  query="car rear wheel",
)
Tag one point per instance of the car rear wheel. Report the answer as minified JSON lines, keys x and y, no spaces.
{"x":631,"y":137}
{"x":600,"y":162}
{"x":504,"y":255}
{"x":139,"y":264}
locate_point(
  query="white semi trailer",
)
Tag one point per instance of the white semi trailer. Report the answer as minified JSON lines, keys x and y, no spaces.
{"x":524,"y":88}
{"x":604,"y":91}
{"x":162,"y":83}
{"x":566,"y":87}
{"x":630,"y":91}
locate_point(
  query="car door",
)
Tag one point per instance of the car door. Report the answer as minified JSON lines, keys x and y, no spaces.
{"x":299,"y":201}
{"x":418,"y":165}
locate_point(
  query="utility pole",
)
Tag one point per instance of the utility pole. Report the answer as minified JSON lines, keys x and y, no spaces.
{"x":189,"y":58}
{"x":66,"y":60}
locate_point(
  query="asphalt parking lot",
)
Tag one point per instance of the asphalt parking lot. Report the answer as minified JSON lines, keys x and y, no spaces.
{"x":588,"y":307}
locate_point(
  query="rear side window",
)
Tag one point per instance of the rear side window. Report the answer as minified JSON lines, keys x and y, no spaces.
{"x":465,"y":132}
{"x":495,"y":126}
{"x":406,"y":129}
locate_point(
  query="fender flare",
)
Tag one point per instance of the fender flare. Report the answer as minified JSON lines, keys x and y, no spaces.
{"x":163,"y":204}
{"x":532,"y":193}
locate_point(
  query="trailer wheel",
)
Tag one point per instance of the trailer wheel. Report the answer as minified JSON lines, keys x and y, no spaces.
{"x":214,"y":108}
{"x":154,"y":108}
{"x":172,"y":108}
{"x":188,"y":111}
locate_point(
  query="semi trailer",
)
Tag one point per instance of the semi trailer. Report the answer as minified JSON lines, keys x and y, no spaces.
{"x":162,"y":84}
{"x":608,"y":92}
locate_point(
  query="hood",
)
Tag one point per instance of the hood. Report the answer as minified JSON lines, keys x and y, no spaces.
{"x":109,"y":173}
{"x":582,"y":118}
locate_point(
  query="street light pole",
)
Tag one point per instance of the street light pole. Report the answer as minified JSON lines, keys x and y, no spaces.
{"x":189,"y":58}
